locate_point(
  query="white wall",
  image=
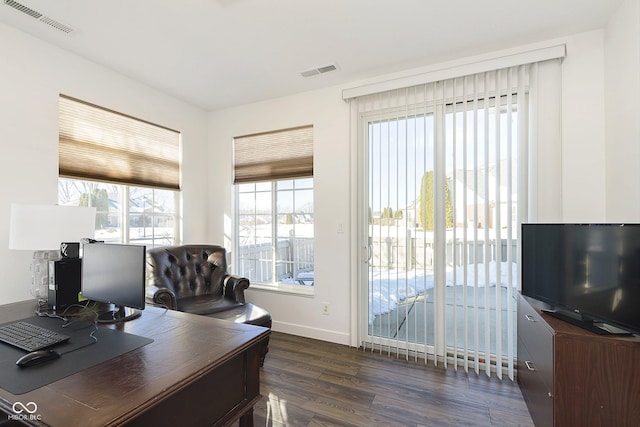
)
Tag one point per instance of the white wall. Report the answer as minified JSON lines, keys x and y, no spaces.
{"x":329,"y":115}
{"x":32,"y":76}
{"x":583,"y":173}
{"x":583,"y":150}
{"x":622,"y":84}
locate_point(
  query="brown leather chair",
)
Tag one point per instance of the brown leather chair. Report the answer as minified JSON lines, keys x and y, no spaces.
{"x":194,"y":279}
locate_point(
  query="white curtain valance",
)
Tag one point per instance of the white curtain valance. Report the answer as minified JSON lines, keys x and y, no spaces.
{"x":456,"y":69}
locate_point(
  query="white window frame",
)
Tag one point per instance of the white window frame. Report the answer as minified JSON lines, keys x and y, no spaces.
{"x":274,"y":286}
{"x":124,"y":216}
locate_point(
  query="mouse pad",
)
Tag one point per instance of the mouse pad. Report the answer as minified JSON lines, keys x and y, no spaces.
{"x":80,"y":352}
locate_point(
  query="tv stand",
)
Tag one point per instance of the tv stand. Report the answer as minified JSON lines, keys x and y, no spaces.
{"x":588,"y":324}
{"x":572,"y":377}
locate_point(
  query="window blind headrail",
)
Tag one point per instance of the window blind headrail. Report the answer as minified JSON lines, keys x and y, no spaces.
{"x":455,"y":69}
{"x":117,"y":113}
{"x":459,"y":91}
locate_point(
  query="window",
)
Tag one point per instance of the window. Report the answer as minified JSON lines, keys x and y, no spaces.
{"x":274,"y":208}
{"x":125,"y":214}
{"x":127,"y":168}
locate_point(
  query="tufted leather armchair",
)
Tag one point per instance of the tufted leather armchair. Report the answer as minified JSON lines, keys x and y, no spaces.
{"x":194,"y":279}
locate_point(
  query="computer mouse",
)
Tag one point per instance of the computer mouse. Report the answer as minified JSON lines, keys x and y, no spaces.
{"x":37,"y":357}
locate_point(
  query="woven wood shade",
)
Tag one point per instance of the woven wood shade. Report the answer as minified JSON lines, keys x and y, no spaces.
{"x":103,"y":145}
{"x":274,"y":155}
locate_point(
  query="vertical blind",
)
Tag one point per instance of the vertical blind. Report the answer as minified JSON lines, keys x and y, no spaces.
{"x":102,"y":145}
{"x":280,"y":154}
{"x":444,"y":184}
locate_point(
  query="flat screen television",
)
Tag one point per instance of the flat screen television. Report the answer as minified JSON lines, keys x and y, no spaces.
{"x":114,"y":274}
{"x":588,"y":274}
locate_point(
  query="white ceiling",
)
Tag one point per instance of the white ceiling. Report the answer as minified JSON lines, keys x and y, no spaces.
{"x":220,"y":53}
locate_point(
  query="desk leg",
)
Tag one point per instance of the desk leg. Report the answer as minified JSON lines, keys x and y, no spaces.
{"x":247,"y":419}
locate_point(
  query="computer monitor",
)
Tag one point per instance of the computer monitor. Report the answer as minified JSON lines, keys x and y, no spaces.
{"x":115,"y":274}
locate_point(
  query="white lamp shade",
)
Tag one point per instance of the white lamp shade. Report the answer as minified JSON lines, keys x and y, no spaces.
{"x":44,"y":227}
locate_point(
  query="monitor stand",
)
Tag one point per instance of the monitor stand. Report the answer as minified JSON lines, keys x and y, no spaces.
{"x":118,"y":314}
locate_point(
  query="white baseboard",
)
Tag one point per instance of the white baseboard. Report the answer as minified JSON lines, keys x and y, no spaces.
{"x":308,"y":332}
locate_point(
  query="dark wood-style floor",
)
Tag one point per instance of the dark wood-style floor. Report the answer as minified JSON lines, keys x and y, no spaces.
{"x":306,"y":382}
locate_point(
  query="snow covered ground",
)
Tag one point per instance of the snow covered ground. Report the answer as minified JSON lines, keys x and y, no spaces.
{"x":387,"y":288}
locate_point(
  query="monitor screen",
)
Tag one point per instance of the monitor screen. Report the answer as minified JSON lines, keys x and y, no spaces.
{"x":115,"y":274}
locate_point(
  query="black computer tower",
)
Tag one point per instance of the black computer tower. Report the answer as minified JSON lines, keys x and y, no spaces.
{"x":64,"y":282}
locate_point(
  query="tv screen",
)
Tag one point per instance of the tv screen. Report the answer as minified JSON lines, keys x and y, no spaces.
{"x":115,"y":274}
{"x":589,"y":270}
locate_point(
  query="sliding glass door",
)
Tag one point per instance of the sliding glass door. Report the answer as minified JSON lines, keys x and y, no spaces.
{"x":440,"y":187}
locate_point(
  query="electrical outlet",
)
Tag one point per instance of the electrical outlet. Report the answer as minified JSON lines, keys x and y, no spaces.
{"x":325,"y":308}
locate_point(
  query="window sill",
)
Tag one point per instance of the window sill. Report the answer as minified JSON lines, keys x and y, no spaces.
{"x":283,"y":288}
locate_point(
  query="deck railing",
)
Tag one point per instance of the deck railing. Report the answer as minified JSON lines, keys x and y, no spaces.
{"x":293,"y":256}
{"x":410,"y":252}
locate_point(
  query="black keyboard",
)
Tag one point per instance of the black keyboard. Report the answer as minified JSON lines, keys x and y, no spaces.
{"x":30,"y":337}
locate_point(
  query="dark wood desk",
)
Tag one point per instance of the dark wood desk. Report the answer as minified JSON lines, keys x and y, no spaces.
{"x":198,"y":371}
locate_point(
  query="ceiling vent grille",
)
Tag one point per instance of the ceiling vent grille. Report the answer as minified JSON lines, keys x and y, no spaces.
{"x":318,"y":70}
{"x":39,"y":16}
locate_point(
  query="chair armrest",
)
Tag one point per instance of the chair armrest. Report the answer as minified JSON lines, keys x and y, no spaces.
{"x":234,"y":287}
{"x":162,"y":296}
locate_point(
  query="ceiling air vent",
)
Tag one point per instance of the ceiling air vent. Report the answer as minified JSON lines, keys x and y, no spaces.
{"x":318,"y":70}
{"x":39,"y":16}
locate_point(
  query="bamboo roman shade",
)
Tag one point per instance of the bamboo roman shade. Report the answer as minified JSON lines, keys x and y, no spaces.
{"x":103,"y":145}
{"x":274,"y":155}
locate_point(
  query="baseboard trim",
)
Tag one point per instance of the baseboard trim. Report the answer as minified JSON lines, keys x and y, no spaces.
{"x":308,"y":332}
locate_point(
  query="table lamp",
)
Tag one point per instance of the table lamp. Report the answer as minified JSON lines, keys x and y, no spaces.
{"x":42,"y":228}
